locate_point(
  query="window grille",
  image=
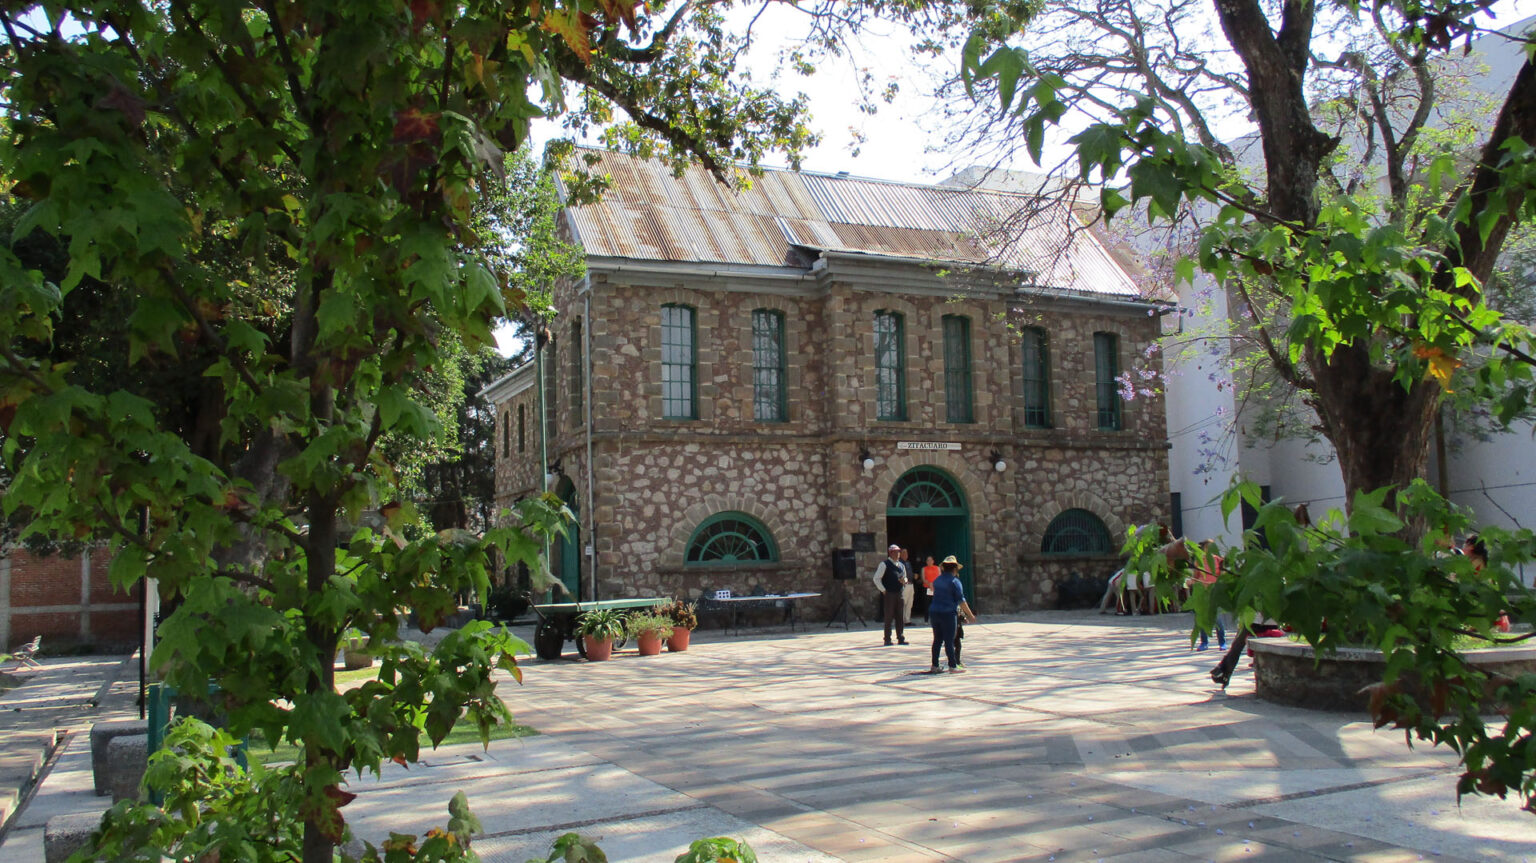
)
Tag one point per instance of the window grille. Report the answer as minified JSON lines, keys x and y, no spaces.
{"x":890,"y":367}
{"x":679,"y":370}
{"x":958,"y":401}
{"x":1106,"y":366}
{"x":768,"y":397}
{"x":1037,"y":379}
{"x":731,"y":537}
{"x":1076,"y":531}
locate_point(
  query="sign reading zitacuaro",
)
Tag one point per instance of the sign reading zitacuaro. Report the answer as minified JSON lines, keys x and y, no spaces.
{"x":926,"y":444}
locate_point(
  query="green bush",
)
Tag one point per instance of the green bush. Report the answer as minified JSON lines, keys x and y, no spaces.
{"x":601,"y":623}
{"x":646,"y":622}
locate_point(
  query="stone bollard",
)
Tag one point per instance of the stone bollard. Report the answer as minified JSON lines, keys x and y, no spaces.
{"x":63,"y":835}
{"x":127,"y":756}
{"x":101,"y":734}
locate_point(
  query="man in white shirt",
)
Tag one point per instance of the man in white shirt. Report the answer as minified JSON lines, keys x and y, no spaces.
{"x":890,"y":577}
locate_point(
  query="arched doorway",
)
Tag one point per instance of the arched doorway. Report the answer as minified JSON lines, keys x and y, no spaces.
{"x":565,"y":553}
{"x":927,"y":514}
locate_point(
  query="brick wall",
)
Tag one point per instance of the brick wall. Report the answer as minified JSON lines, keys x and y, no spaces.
{"x":69,"y":601}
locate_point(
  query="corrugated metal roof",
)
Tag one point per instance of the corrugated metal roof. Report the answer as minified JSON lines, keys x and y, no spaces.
{"x":648,"y":214}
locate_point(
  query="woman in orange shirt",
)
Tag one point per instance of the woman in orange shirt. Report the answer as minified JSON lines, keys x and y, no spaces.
{"x":929,"y":573}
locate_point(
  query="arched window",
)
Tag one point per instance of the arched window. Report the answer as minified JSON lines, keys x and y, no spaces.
{"x":731,"y":537}
{"x":925,"y":489}
{"x":1076,"y":531}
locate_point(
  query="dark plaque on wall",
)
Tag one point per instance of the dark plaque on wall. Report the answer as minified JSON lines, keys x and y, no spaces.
{"x":863,"y":542}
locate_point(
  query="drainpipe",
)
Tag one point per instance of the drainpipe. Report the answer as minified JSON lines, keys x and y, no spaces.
{"x":586,"y":363}
{"x":539,"y":339}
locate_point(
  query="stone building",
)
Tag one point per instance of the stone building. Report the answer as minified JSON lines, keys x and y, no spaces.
{"x":745,"y":383}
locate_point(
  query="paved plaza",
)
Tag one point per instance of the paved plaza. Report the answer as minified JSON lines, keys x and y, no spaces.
{"x":1072,"y":737}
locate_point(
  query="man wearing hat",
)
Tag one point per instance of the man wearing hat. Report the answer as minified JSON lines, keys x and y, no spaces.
{"x":890,"y":577}
{"x":945,"y":610}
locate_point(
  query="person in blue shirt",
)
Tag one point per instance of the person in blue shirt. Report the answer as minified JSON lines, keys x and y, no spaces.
{"x":945,"y":611}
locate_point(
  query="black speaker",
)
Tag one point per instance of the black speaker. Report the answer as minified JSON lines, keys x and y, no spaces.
{"x":845,"y":567}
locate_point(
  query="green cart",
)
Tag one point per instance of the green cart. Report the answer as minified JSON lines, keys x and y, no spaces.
{"x":557,"y":622}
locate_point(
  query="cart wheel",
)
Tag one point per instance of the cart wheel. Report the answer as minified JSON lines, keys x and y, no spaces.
{"x":549,"y":641}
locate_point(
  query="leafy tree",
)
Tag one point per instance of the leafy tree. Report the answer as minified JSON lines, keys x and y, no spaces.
{"x":1364,"y":242}
{"x":279,"y":201}
{"x":1357,"y":233}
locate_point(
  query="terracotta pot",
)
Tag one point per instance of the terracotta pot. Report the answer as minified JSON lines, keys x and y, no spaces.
{"x":678,"y":641}
{"x":649,"y":643}
{"x":598,"y":650}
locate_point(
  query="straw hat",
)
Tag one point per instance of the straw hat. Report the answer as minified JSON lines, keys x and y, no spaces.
{"x":951,"y":559}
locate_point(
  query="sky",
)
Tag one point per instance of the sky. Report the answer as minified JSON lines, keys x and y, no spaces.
{"x":900,"y":141}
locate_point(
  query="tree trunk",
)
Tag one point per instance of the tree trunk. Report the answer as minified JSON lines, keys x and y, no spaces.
{"x":1380,"y":430}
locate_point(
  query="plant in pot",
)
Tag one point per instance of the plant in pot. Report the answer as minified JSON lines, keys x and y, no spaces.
{"x":648,"y":629}
{"x":598,"y":629}
{"x":685,"y":620}
{"x":354,"y":650}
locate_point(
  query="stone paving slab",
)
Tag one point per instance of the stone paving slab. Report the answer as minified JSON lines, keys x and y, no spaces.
{"x":64,"y":696}
{"x":1073,"y":738}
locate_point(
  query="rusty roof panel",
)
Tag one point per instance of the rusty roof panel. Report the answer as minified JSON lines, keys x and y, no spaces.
{"x":648,"y":214}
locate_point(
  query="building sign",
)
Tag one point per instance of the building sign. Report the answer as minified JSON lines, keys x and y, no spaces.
{"x":863,"y":542}
{"x":926,"y":445}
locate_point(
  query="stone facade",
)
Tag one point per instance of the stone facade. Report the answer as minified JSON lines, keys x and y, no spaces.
{"x":656,"y":480}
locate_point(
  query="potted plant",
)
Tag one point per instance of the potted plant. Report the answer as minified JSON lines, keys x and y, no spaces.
{"x":648,"y":629}
{"x":685,"y":620}
{"x":354,"y":650}
{"x":597,"y":630}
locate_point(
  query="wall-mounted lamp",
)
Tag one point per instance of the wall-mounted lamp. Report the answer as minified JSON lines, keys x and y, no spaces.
{"x":555,"y":472}
{"x":997,"y":461}
{"x":866,"y":460}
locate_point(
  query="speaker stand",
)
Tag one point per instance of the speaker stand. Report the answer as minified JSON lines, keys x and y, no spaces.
{"x":844,"y":609}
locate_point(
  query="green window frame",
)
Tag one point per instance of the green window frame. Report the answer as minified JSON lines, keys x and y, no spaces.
{"x":959,"y":401}
{"x":1076,"y":531}
{"x":522,"y":428}
{"x":1106,"y":370}
{"x":1037,"y":378}
{"x":578,"y":376}
{"x":890,"y":366}
{"x":769,"y":402}
{"x":679,"y":363}
{"x":731,"y":538}
{"x":551,"y":397}
{"x":506,"y":435}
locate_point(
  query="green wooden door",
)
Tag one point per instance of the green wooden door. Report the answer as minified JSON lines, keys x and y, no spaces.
{"x":932,"y":495}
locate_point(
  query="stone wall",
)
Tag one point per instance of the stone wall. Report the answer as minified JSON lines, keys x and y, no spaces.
{"x":657,"y":480}
{"x":69,"y":601}
{"x":1290,"y":673}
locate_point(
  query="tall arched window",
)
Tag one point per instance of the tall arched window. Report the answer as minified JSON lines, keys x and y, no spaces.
{"x":1076,"y":531}
{"x":731,"y":537}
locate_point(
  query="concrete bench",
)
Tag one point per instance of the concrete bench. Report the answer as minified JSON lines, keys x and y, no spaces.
{"x":63,"y":835}
{"x":102,"y":733}
{"x":127,"y":756}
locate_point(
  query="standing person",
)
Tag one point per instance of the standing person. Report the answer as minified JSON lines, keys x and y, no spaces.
{"x":1477,"y":551}
{"x":930,"y":573}
{"x":890,"y":576}
{"x":945,"y":612}
{"x":908,"y":591}
{"x":1207,"y":570}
